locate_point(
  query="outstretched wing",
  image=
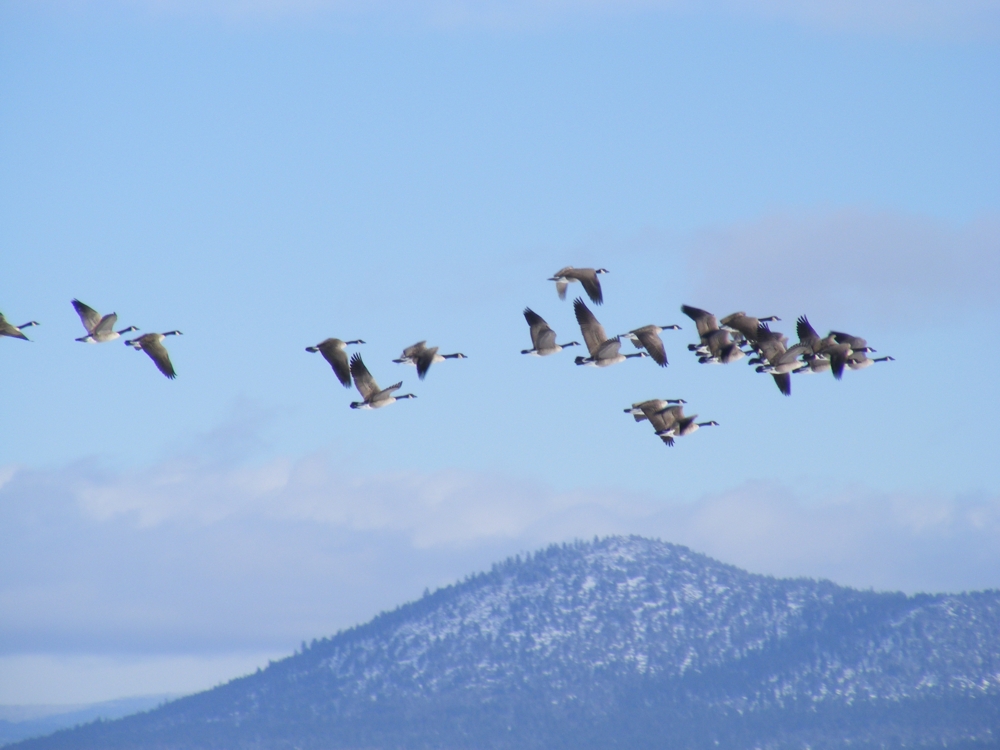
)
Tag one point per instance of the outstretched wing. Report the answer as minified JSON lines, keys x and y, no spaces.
{"x":158,"y":353}
{"x":88,"y":315}
{"x":412,"y":352}
{"x":542,"y":336}
{"x":807,"y":334}
{"x":704,"y":320}
{"x":337,"y":358}
{"x":107,"y":324}
{"x":593,"y":332}
{"x":424,"y":361}
{"x":363,"y":379}
{"x":608,"y":349}
{"x":6,"y":329}
{"x":652,"y":343}
{"x":855,"y":342}
{"x":591,"y":285}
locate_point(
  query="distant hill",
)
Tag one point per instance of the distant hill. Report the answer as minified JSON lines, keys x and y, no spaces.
{"x":615,"y":643}
{"x":19,"y":722}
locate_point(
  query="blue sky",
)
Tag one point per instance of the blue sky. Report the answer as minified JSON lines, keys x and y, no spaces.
{"x":262,"y":176}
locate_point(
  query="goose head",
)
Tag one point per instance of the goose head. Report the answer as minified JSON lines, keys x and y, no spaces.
{"x":601,"y":270}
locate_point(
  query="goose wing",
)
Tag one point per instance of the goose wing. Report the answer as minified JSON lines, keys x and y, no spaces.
{"x":608,"y":349}
{"x":363,"y":379}
{"x":807,"y":334}
{"x":152,"y":344}
{"x":391,"y":388}
{"x":770,"y":343}
{"x":703,"y":320}
{"x":333,"y":353}
{"x":740,"y":321}
{"x":88,"y":315}
{"x":664,"y":419}
{"x":593,"y":332}
{"x":106,"y":325}
{"x":717,"y":341}
{"x":838,"y":358}
{"x":7,"y":329}
{"x":784,"y":383}
{"x":413,"y":352}
{"x":642,"y":406}
{"x":424,"y":361}
{"x":542,"y":337}
{"x":650,"y":340}
{"x":560,"y":277}
{"x":855,"y":342}
{"x":591,"y":284}
{"x":792,"y":353}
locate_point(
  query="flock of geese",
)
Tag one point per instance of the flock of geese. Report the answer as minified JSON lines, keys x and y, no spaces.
{"x":720,"y":342}
{"x":100,"y":329}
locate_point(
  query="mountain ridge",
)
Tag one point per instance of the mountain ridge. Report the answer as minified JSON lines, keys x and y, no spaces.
{"x":584,"y":644}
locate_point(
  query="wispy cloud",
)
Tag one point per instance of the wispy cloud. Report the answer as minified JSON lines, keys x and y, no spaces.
{"x":892,"y":266}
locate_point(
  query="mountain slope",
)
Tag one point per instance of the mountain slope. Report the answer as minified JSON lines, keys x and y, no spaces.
{"x":621,"y":642}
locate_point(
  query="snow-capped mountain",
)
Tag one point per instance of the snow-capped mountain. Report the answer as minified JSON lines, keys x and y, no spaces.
{"x":620,"y":642}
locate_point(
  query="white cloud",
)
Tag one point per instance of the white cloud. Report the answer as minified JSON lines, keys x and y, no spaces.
{"x":892,"y":266}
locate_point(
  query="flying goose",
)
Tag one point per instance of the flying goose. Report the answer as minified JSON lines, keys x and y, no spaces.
{"x":745,"y":325}
{"x":333,"y":352}
{"x":99,"y":329}
{"x":586,"y":276}
{"x":543,"y":338}
{"x":648,"y":338}
{"x":771,"y":345}
{"x":661,"y":413}
{"x":9,"y":329}
{"x":423,"y":357}
{"x":715,"y":346}
{"x":822,"y":353}
{"x":604,"y":352}
{"x":668,"y":421}
{"x":374,"y":397}
{"x":152,"y":344}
